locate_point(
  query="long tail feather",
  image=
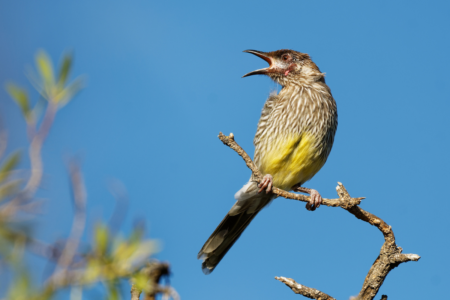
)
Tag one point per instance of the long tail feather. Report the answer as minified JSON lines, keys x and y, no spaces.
{"x":229,"y":230}
{"x":225,"y":235}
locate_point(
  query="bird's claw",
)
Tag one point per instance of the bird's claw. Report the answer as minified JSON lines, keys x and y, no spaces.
{"x":315,"y":201}
{"x":266,"y":183}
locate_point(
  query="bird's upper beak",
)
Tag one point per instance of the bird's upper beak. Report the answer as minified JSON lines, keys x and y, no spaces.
{"x":264,"y":56}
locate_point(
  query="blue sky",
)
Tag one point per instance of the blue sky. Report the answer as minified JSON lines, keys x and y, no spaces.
{"x":164,"y":78}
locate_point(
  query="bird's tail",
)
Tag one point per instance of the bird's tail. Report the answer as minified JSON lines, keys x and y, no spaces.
{"x":221,"y":240}
{"x":231,"y":228}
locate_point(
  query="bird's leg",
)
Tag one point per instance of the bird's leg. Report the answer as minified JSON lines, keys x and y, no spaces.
{"x":316,"y":199}
{"x":266,"y":183}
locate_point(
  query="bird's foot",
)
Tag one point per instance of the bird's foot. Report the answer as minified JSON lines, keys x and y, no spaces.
{"x":266,"y":183}
{"x":315,"y":202}
{"x":316,"y":198}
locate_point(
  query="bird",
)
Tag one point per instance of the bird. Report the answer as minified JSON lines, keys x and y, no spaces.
{"x":293,"y":140}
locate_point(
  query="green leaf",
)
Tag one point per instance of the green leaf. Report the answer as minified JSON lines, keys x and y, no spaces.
{"x":65,"y":69}
{"x":45,"y":68}
{"x":142,"y":282}
{"x":20,"y":96}
{"x":20,"y":288}
{"x":92,"y":272}
{"x":101,"y":239}
{"x":66,"y":94}
{"x":10,"y":163}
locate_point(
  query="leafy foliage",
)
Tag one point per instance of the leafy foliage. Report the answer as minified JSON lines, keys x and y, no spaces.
{"x":109,"y":259}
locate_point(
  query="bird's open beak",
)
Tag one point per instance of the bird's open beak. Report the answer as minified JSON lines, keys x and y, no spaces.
{"x":264,"y":56}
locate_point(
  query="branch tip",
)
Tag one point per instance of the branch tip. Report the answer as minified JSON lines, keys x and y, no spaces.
{"x":409,"y":257}
{"x":304,"y":290}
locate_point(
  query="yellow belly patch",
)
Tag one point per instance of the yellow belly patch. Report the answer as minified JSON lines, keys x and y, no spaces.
{"x":291,"y":160}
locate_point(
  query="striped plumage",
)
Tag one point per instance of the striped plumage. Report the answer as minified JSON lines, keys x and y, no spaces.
{"x":294,"y":137}
{"x":300,"y":120}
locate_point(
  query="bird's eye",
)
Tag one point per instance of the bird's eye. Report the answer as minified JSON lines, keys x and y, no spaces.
{"x":285,"y":57}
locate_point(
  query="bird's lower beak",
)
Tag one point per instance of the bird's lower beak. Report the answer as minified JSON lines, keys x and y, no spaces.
{"x":264,"y":56}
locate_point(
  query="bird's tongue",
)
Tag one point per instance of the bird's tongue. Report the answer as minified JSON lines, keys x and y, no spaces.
{"x":286,"y":72}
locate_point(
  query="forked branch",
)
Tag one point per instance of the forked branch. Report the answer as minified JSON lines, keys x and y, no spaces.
{"x":390,"y":255}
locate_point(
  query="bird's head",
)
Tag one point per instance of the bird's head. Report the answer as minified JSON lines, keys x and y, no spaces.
{"x":286,"y":65}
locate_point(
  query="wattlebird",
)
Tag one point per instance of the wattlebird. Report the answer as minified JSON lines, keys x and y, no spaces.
{"x":294,"y":137}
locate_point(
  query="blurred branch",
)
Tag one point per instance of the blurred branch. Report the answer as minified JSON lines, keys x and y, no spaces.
{"x":156,"y":270}
{"x":153,"y":273}
{"x":119,"y":192}
{"x":79,"y":220}
{"x":135,"y":292}
{"x":168,"y":292}
{"x":37,"y":141}
{"x":390,"y":255}
{"x":3,"y":141}
{"x":110,"y":257}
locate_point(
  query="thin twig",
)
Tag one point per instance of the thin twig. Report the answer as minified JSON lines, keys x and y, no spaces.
{"x":79,"y":222}
{"x":35,"y":150}
{"x":304,"y":290}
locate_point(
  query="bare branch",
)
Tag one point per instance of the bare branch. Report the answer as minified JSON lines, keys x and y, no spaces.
{"x":304,"y":290}
{"x":79,"y":221}
{"x":256,"y":175}
{"x":390,"y":255}
{"x":37,"y":141}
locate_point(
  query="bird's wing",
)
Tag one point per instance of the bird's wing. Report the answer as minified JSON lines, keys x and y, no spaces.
{"x":265,"y":113}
